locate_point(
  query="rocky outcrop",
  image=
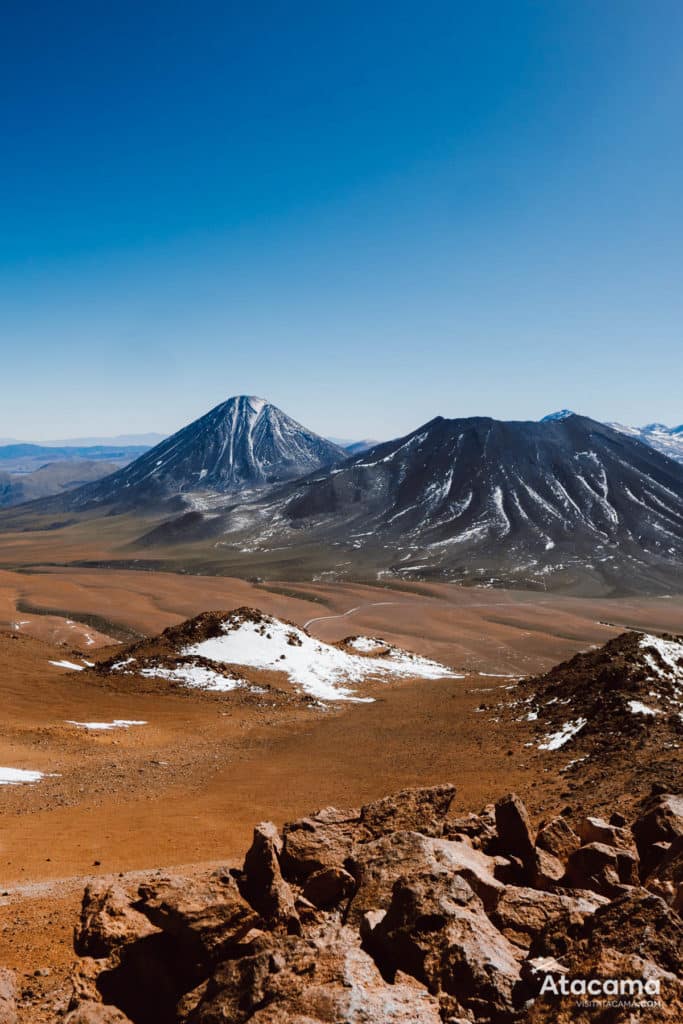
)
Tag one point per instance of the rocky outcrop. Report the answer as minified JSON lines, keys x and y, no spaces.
{"x":393,"y":914}
{"x":108,"y":922}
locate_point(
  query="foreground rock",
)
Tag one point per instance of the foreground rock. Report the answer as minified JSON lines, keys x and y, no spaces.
{"x":396,"y":914}
{"x":8,"y":997}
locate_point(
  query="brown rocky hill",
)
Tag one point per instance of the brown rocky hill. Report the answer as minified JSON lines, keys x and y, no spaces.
{"x":612,"y":716}
{"x":396,"y":913}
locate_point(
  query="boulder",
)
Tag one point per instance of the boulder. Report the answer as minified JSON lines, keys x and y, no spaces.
{"x":207,"y":917}
{"x":522,"y":914}
{"x":436,"y":930}
{"x":262,"y":883}
{"x":96,"y":1013}
{"x":480,"y":829}
{"x":543,"y":870}
{"x":8,"y":996}
{"x":322,"y":841}
{"x":596,"y":830}
{"x":514,"y":828}
{"x":558,"y":838}
{"x":637,"y":936}
{"x":594,"y":867}
{"x":411,"y":810}
{"x":668,"y":874}
{"x":328,"y":887}
{"x":322,"y":979}
{"x":377,"y":865}
{"x":641,"y":923}
{"x":661,"y":821}
{"x":601,"y":964}
{"x":108,"y":921}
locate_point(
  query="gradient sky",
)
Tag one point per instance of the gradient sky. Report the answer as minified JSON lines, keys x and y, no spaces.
{"x":369,"y":213}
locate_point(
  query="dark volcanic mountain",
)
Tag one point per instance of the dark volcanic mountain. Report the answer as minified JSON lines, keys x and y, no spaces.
{"x":244,"y":442}
{"x":480,"y":499}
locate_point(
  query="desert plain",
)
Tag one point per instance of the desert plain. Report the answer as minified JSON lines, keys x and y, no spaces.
{"x":188,"y":785}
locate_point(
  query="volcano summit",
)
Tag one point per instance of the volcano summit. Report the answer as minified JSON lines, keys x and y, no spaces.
{"x":245,"y":442}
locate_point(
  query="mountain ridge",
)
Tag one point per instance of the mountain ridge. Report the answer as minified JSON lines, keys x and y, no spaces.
{"x":477,"y":499}
{"x":664,"y":439}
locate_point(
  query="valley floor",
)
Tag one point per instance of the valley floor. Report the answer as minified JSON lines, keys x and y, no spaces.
{"x":188,"y":786}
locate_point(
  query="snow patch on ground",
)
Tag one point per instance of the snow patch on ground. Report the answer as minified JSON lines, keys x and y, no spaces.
{"x":320,"y":669}
{"x":641,"y":709}
{"x":72,"y":666}
{"x":195,"y":676}
{"x":555,"y":740}
{"x":118,"y":723}
{"x":16,"y":776}
{"x":367,"y":644}
{"x":669,"y":651}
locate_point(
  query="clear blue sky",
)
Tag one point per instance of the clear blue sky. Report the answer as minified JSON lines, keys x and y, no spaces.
{"x":369,"y":213}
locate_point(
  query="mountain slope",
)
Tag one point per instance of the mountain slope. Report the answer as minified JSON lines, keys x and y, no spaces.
{"x":667,"y":440}
{"x":245,"y":442}
{"x":478,"y":498}
{"x":617,"y":707}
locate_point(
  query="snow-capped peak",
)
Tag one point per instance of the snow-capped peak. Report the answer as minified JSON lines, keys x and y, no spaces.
{"x":257,"y":404}
{"x":561,"y":414}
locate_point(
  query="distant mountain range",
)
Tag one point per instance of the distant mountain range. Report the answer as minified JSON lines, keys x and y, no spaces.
{"x":353,"y":447}
{"x":53,"y":478}
{"x":118,"y":441}
{"x":21,"y":457}
{"x":667,"y":440}
{"x":564,"y":502}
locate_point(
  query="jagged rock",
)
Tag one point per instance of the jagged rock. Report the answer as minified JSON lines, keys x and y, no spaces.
{"x":596,"y":830}
{"x":108,"y":921}
{"x":83,"y":978}
{"x":479,"y":828}
{"x":558,"y":838}
{"x":522,"y":913}
{"x":510,"y":870}
{"x":514,"y":828}
{"x":322,"y":979}
{"x":8,"y":996}
{"x":636,"y":936}
{"x":602,"y":964}
{"x":595,"y":867}
{"x":544,"y":871}
{"x":208,"y":918}
{"x":369,"y":922}
{"x":446,"y":934}
{"x":338,"y":815}
{"x":377,"y":865}
{"x":263,"y":885}
{"x":661,"y":820}
{"x":641,"y":923}
{"x":411,"y":810}
{"x":321,"y":841}
{"x":95,"y":1013}
{"x":328,"y":887}
{"x":666,"y":878}
{"x":436,"y":930}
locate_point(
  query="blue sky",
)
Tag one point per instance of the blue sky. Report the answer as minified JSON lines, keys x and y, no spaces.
{"x":370,"y":214}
